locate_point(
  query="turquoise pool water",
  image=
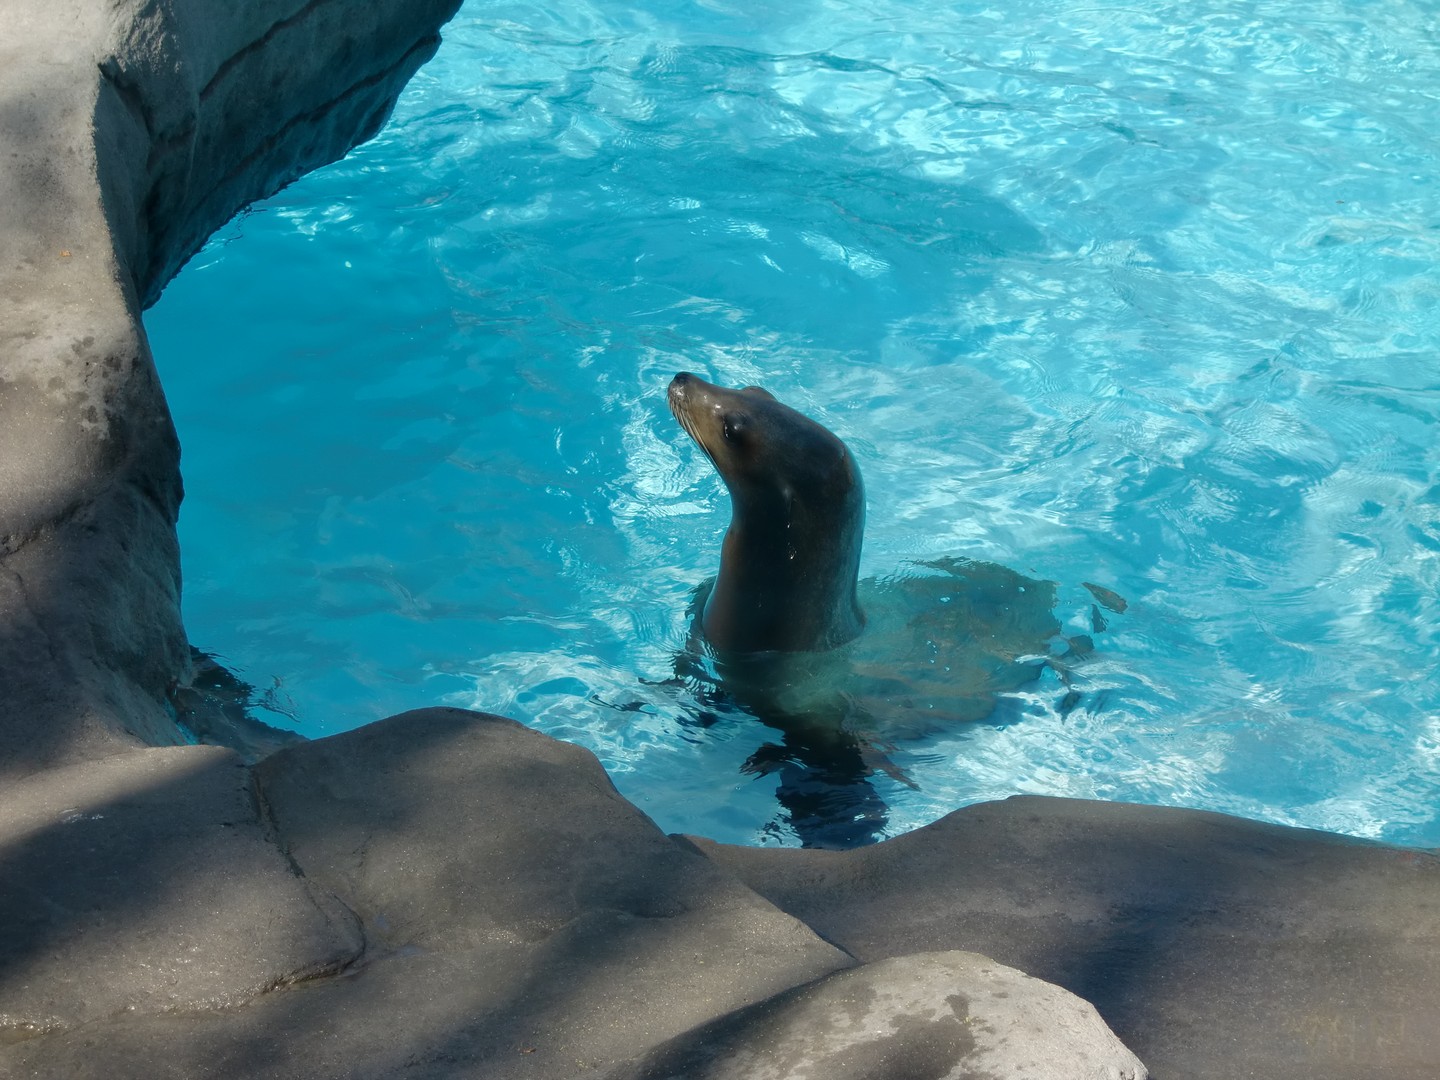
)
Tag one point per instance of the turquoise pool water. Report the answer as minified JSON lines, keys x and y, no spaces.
{"x":1142,"y":296}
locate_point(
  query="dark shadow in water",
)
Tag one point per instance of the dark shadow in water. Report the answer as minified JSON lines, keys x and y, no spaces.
{"x":823,"y":768}
{"x":942,"y":641}
{"x":218,"y":707}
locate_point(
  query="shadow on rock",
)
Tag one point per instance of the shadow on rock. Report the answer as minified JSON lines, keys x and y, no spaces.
{"x":520,"y":919}
{"x":145,"y":883}
{"x":1213,"y":946}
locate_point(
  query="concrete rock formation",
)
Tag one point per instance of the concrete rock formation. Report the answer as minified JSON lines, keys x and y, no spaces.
{"x":1214,"y":946}
{"x":447,"y":893}
{"x":926,"y":1014}
{"x":450,"y":894}
{"x":131,"y":130}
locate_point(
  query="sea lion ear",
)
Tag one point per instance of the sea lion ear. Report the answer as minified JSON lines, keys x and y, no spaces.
{"x":758,"y":391}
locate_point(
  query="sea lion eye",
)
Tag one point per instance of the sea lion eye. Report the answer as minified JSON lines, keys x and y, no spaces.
{"x":732,"y":428}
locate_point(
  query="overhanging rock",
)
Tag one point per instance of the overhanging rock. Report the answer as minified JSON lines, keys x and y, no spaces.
{"x":131,"y":130}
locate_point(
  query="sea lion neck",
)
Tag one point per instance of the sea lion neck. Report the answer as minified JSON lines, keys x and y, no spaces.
{"x":783,"y":590}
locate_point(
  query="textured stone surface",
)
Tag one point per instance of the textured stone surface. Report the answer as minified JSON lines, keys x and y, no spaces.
{"x":447,"y":830}
{"x":949,"y":1014}
{"x":1214,"y":947}
{"x":145,"y":883}
{"x":521,"y":919}
{"x":131,"y":130}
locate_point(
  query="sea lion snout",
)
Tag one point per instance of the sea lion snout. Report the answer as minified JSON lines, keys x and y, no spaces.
{"x":678,"y":386}
{"x":687,"y":397}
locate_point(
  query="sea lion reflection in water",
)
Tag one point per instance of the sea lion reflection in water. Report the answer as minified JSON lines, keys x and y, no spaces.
{"x":841,"y":668}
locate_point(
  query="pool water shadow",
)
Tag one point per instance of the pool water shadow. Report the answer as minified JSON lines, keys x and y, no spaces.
{"x":215,"y":706}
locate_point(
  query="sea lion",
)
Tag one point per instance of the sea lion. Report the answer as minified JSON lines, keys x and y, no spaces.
{"x":778,"y":634}
{"x":791,"y":557}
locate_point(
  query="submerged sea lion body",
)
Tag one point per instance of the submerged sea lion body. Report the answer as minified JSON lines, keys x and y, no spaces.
{"x":791,"y":557}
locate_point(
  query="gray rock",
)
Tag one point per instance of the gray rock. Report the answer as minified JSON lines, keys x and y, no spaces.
{"x":1213,"y":946}
{"x":210,"y":107}
{"x":145,"y":884}
{"x":132,"y":130}
{"x":451,"y":831}
{"x":928,"y":1016}
{"x":522,"y":920}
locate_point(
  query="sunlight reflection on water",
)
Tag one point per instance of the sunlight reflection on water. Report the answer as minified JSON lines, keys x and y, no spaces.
{"x":1139,"y":297}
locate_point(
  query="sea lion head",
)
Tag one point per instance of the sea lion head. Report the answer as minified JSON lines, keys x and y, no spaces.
{"x":792,"y":553}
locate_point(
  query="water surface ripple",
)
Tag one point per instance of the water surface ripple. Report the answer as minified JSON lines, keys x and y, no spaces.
{"x":1144,"y":296}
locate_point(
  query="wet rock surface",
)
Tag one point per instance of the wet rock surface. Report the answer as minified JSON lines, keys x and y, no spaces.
{"x":217,"y":707}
